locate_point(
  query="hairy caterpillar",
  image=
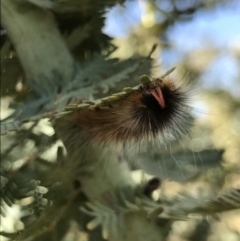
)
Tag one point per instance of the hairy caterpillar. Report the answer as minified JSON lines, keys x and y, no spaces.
{"x":155,"y":109}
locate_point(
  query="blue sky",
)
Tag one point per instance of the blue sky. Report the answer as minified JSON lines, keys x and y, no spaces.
{"x":218,"y":27}
{"x":120,"y":19}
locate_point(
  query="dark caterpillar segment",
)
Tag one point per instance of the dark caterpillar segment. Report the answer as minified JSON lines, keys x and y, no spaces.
{"x":165,"y":114}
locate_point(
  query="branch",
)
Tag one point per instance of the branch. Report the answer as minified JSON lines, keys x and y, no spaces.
{"x":183,"y":205}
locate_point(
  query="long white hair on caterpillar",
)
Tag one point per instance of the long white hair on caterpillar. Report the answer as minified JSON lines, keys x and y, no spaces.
{"x":155,"y":110}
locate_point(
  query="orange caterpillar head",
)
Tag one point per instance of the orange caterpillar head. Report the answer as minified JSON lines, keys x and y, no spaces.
{"x":164,"y":108}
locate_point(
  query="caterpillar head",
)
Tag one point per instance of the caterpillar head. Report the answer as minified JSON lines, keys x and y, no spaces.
{"x":161,"y":108}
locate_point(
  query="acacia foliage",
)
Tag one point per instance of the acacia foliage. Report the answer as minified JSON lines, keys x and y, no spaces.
{"x":48,"y":191}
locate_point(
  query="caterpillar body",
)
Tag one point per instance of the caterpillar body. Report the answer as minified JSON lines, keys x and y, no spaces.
{"x":155,"y":109}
